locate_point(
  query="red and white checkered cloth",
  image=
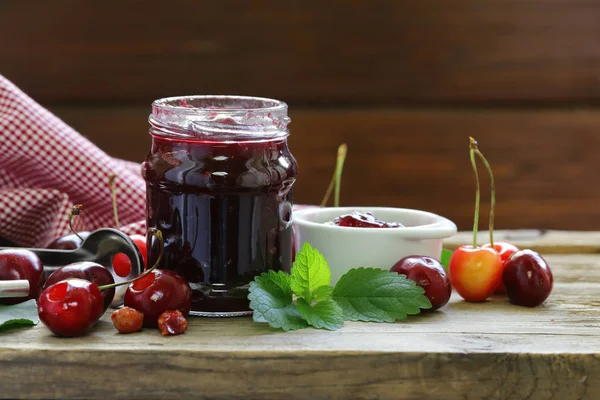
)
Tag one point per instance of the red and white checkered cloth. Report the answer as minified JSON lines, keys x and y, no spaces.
{"x":46,"y":168}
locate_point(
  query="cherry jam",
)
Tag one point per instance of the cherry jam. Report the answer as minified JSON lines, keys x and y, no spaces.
{"x":219,"y":186}
{"x":363,"y":220}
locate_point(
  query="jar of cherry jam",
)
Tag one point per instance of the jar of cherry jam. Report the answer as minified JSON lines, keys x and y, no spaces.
{"x":219,"y":186}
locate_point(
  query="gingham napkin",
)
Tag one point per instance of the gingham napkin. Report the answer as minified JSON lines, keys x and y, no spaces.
{"x":46,"y":168}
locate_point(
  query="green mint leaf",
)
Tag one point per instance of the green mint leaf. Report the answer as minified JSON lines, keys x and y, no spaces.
{"x":322,"y":293}
{"x":310,"y":271}
{"x":22,"y":314}
{"x":377,"y":295}
{"x":445,"y":258}
{"x":324,"y":314}
{"x":270,"y":298}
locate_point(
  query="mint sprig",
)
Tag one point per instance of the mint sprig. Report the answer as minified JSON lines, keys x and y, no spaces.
{"x":270,"y":297}
{"x":304,"y":297}
{"x":377,"y":295}
{"x":324,"y":314}
{"x":310,"y":271}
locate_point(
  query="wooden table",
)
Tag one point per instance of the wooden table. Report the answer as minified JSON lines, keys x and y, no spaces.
{"x":471,"y":351}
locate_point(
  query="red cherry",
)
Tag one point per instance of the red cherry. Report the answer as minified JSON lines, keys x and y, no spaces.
{"x":21,"y":264}
{"x":157,"y":292}
{"x":70,"y":307}
{"x":475,"y":272}
{"x":505,"y":250}
{"x":122,"y":264}
{"x":429,"y":274}
{"x":527,"y":278}
{"x":89,"y":271}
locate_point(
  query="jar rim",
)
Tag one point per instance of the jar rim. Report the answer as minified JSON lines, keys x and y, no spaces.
{"x":277,"y":105}
{"x":219,"y":117}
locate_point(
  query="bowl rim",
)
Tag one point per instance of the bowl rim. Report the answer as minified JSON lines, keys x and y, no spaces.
{"x":441,"y":228}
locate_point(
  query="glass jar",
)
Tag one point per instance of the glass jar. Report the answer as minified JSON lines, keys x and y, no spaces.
{"x":219,"y":186}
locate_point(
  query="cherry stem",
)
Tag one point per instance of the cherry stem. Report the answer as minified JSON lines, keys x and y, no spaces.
{"x":336,"y":179}
{"x":156,"y":233}
{"x":472,"y":149}
{"x":76,"y":210}
{"x":493,"y":194}
{"x":113,"y":191}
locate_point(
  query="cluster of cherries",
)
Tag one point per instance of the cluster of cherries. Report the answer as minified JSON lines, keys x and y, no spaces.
{"x":475,"y":272}
{"x":75,"y":296}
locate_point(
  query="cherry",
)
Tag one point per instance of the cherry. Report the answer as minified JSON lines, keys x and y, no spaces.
{"x":21,"y":264}
{"x":476,"y":271}
{"x":89,"y":271}
{"x":505,"y":250}
{"x":122,"y":264}
{"x":127,"y":320}
{"x":527,"y":278}
{"x":429,"y":274}
{"x":172,"y":323}
{"x":69,"y":242}
{"x":363,"y":220}
{"x":157,"y":292}
{"x":70,"y":307}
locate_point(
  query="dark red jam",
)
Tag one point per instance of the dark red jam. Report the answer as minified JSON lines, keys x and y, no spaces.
{"x":225,"y":210}
{"x":363,"y":220}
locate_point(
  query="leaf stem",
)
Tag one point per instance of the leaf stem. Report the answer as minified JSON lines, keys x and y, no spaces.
{"x":336,"y":179}
{"x":76,"y":210}
{"x":472,"y":149}
{"x":113,"y":191}
{"x":493,"y":194}
{"x":156,"y":233}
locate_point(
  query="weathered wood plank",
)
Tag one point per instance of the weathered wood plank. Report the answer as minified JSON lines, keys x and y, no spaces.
{"x":543,"y":241}
{"x":544,"y":161}
{"x":384,"y":51}
{"x":464,"y":350}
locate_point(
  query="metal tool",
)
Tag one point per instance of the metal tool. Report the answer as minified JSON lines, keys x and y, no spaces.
{"x":16,"y":288}
{"x":99,"y":247}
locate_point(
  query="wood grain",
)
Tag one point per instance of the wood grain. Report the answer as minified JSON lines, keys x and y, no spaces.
{"x":310,"y":52}
{"x":464,"y":350}
{"x":546,"y":242}
{"x":545,"y":162}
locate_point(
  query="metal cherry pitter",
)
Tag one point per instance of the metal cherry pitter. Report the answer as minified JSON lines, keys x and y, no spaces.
{"x":99,"y":247}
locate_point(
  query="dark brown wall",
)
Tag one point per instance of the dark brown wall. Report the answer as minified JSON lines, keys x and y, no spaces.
{"x":404,"y":83}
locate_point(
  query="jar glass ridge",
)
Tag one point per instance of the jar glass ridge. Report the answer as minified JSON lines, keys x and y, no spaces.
{"x":219,"y":186}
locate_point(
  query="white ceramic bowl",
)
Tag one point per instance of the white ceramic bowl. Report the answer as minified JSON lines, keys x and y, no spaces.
{"x":345,"y":248}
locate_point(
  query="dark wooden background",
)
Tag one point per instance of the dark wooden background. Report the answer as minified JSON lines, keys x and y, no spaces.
{"x":403,"y":82}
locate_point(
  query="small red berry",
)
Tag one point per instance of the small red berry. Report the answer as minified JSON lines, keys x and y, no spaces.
{"x":127,"y":320}
{"x":172,"y":322}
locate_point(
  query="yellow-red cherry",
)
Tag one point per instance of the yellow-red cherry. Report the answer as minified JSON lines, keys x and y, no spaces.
{"x":475,"y":272}
{"x":505,"y":250}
